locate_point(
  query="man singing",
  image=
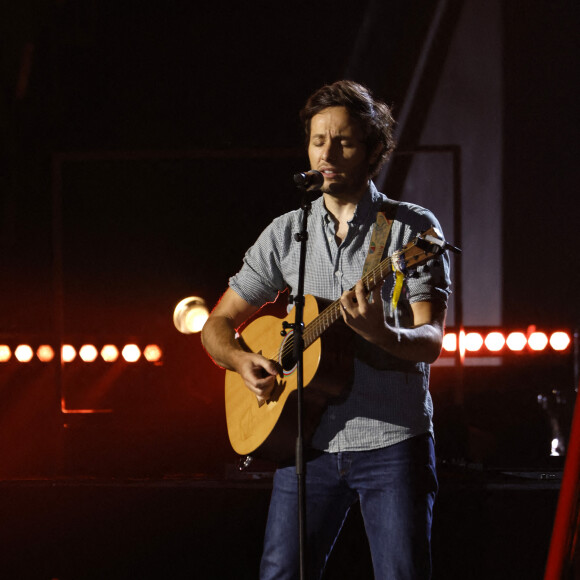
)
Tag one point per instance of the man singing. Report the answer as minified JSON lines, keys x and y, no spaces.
{"x":376,"y":444}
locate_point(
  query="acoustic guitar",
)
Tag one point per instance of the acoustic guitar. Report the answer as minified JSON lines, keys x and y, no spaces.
{"x":268,"y":430}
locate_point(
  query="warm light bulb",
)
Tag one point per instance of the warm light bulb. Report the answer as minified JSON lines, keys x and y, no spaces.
{"x":45,"y":353}
{"x":560,"y":340}
{"x":23,"y":353}
{"x":494,"y":341}
{"x":473,"y":341}
{"x":68,"y":353}
{"x":5,"y":353}
{"x":131,"y":353}
{"x":190,"y":315}
{"x":516,"y":341}
{"x":152,"y":353}
{"x":450,"y":342}
{"x":88,"y":353}
{"x":110,"y":353}
{"x":538,"y":341}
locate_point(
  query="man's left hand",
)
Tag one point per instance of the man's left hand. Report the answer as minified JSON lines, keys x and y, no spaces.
{"x":363,"y":312}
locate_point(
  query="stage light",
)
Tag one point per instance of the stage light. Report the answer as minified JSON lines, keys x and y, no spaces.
{"x":560,"y":340}
{"x":131,"y":352}
{"x":190,"y":315}
{"x":473,"y":341}
{"x":110,"y":353}
{"x":45,"y":353}
{"x":5,"y":353}
{"x":516,"y":341}
{"x":68,"y":353}
{"x":538,"y":341}
{"x":450,"y":342}
{"x":152,"y":353}
{"x":88,"y":353}
{"x":494,"y":341}
{"x":23,"y":353}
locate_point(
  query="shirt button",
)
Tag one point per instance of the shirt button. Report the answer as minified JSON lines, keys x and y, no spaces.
{"x":338,"y":273}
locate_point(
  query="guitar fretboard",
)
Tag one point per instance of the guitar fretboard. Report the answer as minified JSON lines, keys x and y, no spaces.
{"x":410,"y":256}
{"x":331,"y":314}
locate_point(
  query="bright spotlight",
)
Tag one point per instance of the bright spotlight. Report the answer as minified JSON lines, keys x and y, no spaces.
{"x":110,"y":353}
{"x":131,"y":353}
{"x":538,"y":341}
{"x":450,"y":342}
{"x":516,"y":341}
{"x":5,"y":353}
{"x":23,"y":353}
{"x":494,"y":341}
{"x":560,"y":340}
{"x":68,"y":353}
{"x":473,"y":341}
{"x":190,"y":315}
{"x":45,"y":353}
{"x":152,"y":353}
{"x":88,"y":353}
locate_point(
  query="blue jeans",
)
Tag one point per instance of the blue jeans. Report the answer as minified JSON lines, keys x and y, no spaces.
{"x":396,"y":487}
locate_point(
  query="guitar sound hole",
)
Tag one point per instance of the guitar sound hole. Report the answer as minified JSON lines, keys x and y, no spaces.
{"x":286,"y":359}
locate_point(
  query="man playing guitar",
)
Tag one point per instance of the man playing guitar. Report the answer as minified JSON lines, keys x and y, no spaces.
{"x":374,"y":444}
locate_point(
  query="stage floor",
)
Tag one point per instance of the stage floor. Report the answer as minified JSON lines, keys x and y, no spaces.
{"x":488,"y":525}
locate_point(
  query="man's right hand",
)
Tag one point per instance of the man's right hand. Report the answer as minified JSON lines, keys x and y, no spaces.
{"x":258,"y":373}
{"x":218,"y":337}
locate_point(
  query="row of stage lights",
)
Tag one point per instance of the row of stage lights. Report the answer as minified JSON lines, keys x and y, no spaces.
{"x":497,"y":342}
{"x":476,"y":343}
{"x":189,"y":317}
{"x":87,"y":353}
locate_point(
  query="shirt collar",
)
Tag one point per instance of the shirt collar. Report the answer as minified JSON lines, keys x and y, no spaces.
{"x":370,"y":198}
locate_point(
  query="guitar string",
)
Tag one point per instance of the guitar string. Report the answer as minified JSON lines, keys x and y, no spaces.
{"x":313,"y":330}
{"x":332,"y":312}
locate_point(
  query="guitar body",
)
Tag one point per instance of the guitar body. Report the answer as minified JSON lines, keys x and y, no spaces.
{"x":268,"y":431}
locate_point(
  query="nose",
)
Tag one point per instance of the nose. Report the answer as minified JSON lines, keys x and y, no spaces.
{"x":329,"y":150}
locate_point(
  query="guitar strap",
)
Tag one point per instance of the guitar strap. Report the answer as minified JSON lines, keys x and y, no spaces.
{"x":383,"y":223}
{"x":381,"y":230}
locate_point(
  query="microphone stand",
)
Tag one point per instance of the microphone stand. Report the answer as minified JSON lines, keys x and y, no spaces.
{"x":298,"y":327}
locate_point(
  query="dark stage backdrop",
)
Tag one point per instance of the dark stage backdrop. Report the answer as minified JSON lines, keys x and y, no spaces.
{"x":157,"y":127}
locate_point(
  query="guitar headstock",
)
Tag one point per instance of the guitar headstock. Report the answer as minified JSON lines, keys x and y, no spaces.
{"x":422,"y":248}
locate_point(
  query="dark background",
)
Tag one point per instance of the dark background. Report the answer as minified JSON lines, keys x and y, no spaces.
{"x":144,"y":146}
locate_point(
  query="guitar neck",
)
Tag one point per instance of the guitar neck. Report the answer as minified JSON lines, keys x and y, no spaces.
{"x":416,"y":252}
{"x":331,"y":314}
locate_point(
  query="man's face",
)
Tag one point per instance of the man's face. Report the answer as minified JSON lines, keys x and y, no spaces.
{"x":337,"y":149}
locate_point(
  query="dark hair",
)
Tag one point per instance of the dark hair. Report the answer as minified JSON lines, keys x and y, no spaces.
{"x":375,"y":116}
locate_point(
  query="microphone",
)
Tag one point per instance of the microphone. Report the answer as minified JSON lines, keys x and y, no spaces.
{"x":309,"y":180}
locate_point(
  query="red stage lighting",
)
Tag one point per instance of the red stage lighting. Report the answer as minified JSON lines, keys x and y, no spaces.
{"x":131,"y":353}
{"x":88,"y":353}
{"x":538,"y":341}
{"x":5,"y":353}
{"x":152,"y":353}
{"x":23,"y":353}
{"x":473,"y":341}
{"x":516,"y":341}
{"x":450,"y":342}
{"x":68,"y":353}
{"x":45,"y":353}
{"x":494,"y":341}
{"x":110,"y":353}
{"x":560,"y":340}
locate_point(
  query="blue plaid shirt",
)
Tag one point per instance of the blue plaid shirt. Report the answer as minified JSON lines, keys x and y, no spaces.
{"x":389,"y":400}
